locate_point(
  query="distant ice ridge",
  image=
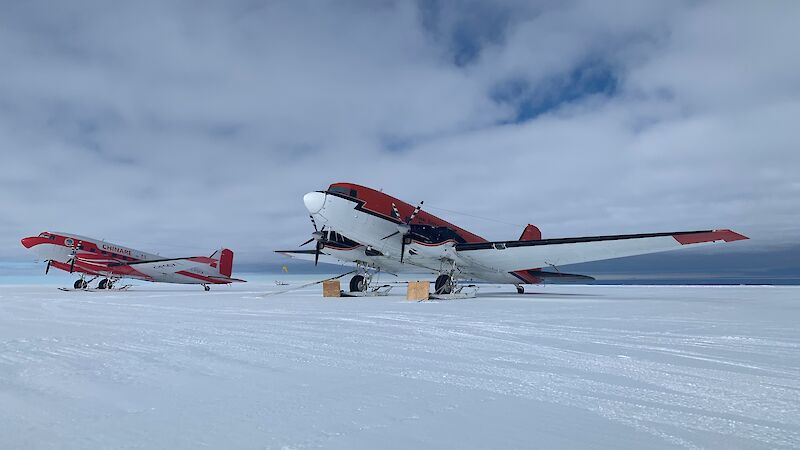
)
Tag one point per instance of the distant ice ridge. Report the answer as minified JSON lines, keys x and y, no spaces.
{"x":565,"y":367}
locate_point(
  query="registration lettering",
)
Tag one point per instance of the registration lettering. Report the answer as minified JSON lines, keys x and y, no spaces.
{"x":115,"y":249}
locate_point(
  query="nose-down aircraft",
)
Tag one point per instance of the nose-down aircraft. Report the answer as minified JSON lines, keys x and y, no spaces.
{"x":377,"y":232}
{"x":112,"y":262}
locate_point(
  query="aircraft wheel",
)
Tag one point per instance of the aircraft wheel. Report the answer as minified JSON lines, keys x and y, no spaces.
{"x":80,"y":284}
{"x":357,"y":284}
{"x":443,"y":285}
{"x":520,"y":289}
{"x":103,"y":284}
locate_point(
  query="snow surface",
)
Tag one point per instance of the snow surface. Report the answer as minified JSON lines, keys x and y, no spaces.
{"x":565,"y":367}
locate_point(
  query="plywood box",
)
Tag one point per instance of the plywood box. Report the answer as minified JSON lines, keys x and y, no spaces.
{"x":331,"y":288}
{"x":418,"y":290}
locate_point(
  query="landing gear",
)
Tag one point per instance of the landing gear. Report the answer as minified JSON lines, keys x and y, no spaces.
{"x":358,"y":283}
{"x":206,"y":287}
{"x":444,"y":284}
{"x":82,"y":284}
{"x":361,"y":284}
{"x":520,"y":289}
{"x":447,"y":287}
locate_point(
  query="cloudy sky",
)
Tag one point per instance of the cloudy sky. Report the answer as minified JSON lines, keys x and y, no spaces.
{"x":181,"y":126}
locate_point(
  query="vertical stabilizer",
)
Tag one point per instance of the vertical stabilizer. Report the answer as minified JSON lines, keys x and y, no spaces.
{"x":531,"y":233}
{"x":226,"y":262}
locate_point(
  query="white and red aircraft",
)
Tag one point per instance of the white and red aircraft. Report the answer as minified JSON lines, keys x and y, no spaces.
{"x":112,"y":262}
{"x":375,"y":231}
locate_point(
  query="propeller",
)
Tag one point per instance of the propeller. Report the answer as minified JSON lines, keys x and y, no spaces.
{"x":404,"y":228}
{"x":47,"y":269}
{"x":73,"y":256}
{"x":319,"y":236}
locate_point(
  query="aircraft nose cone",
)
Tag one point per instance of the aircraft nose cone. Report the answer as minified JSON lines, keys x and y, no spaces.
{"x":314,"y":201}
{"x":28,"y":242}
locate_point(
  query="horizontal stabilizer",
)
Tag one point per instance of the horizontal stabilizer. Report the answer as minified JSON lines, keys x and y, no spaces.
{"x":559,"y":276}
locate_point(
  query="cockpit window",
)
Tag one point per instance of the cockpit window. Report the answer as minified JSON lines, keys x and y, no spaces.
{"x":44,"y":235}
{"x":343,"y":191}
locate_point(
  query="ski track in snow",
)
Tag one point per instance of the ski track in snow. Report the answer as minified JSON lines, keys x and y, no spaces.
{"x":568,"y":367}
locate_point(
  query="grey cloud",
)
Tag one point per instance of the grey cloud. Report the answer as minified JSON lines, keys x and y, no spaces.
{"x":182,"y":126}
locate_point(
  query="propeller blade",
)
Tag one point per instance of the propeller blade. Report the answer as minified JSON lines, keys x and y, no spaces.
{"x":48,"y":267}
{"x":416,"y":211}
{"x":72,"y":265}
{"x":306,"y":242}
{"x":316,"y":255}
{"x":395,"y":212}
{"x":313,"y":222}
{"x":387,"y":237}
{"x":402,"y":249}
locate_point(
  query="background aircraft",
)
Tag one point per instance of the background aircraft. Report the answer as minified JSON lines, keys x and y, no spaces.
{"x":112,"y":262}
{"x":359,"y":225}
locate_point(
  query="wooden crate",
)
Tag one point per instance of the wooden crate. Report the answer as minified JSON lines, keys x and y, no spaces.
{"x":418,"y":290}
{"x":331,"y":288}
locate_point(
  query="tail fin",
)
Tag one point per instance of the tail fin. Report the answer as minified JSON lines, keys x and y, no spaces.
{"x":531,"y":233}
{"x":226,"y":262}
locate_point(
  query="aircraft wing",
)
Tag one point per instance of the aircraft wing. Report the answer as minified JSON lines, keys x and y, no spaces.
{"x":181,"y":266}
{"x":308,"y":255}
{"x":510,"y":256}
{"x":146,"y":261}
{"x":349,"y":257}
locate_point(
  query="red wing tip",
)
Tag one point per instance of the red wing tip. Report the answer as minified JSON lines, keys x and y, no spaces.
{"x":709,"y":236}
{"x":731,"y":236}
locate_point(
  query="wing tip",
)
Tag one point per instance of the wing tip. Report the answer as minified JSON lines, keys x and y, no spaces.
{"x":709,"y":236}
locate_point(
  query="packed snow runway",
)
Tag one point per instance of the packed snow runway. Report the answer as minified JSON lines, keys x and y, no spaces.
{"x":565,"y":367}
